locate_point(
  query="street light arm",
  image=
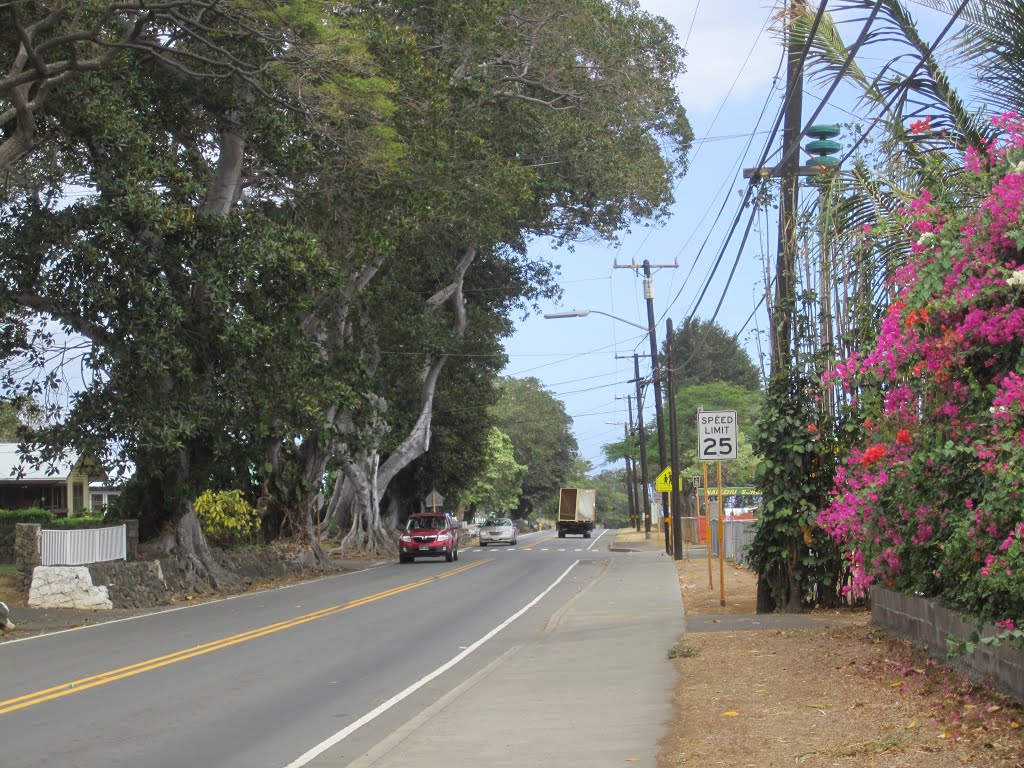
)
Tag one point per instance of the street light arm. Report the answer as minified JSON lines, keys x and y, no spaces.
{"x":585,"y":312}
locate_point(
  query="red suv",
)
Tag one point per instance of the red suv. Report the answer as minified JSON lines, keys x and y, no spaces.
{"x":429,"y":534}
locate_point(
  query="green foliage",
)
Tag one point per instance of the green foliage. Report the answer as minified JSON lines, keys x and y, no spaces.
{"x":498,"y":489}
{"x":296,"y":319}
{"x":703,"y":352}
{"x":226,"y":517}
{"x":13,"y":516}
{"x":76,"y":523}
{"x":611,"y":500}
{"x":797,"y":563}
{"x":541,"y":435}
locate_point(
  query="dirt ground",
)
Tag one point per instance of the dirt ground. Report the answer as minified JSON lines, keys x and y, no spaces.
{"x":840,"y":694}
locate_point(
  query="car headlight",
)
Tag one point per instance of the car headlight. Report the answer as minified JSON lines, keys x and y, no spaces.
{"x":442,"y":537}
{"x":406,"y":538}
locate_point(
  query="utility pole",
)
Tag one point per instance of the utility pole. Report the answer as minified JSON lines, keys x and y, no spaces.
{"x":788,"y":172}
{"x":655,"y":378}
{"x":673,"y":434}
{"x":644,"y":476}
{"x":627,"y":455}
{"x":630,"y":485}
{"x":785,"y":260}
{"x":634,"y":502}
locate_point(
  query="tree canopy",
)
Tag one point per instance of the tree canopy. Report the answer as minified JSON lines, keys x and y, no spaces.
{"x":541,"y":434}
{"x":704,"y":352}
{"x":284,"y":236}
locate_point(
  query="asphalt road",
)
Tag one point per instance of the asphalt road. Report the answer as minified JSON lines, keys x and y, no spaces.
{"x":327,"y":672}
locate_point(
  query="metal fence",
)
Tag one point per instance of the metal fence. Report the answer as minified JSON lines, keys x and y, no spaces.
{"x":738,"y":536}
{"x":95,"y":545}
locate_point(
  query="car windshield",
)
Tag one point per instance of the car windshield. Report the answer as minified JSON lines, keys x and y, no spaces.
{"x":425,"y":523}
{"x":491,"y":524}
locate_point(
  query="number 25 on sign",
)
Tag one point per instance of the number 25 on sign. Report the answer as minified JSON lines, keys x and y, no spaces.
{"x":717,"y":435}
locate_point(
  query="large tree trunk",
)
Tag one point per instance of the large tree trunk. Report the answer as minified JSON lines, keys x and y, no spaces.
{"x":292,"y":507}
{"x":368,"y":477}
{"x":367,"y":534}
{"x":184,"y":538}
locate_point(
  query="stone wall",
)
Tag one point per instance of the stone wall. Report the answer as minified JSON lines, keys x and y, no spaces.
{"x":147,"y":583}
{"x":132,"y":585}
{"x":28,"y":551}
{"x":925,"y":621}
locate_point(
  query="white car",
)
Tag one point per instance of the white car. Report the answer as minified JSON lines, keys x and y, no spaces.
{"x":498,"y":530}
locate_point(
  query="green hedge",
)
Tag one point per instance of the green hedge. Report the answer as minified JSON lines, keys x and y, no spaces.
{"x":13,"y":516}
{"x":76,"y":523}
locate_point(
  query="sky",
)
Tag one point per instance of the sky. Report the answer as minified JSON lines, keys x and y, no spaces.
{"x":732,"y":64}
{"x":732,"y":59}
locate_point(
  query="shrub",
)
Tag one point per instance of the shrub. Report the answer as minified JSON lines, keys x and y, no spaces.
{"x":75,"y":523}
{"x":931,"y":502}
{"x":12,"y":516}
{"x":226,"y":517}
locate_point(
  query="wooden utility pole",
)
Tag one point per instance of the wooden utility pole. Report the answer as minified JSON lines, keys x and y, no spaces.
{"x":788,"y":172}
{"x":655,"y":377}
{"x":644,"y":475}
{"x":785,"y":259}
{"x":673,"y":436}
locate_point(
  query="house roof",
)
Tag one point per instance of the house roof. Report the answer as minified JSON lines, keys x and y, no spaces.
{"x":11,"y":464}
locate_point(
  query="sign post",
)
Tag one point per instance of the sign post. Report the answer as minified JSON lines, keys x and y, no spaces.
{"x":707,"y":522}
{"x":433,"y":501}
{"x":718,"y":441}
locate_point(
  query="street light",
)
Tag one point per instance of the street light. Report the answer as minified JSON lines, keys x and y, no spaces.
{"x":585,"y":312}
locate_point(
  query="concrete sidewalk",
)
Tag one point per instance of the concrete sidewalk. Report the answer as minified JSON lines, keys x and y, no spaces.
{"x":611,"y":704}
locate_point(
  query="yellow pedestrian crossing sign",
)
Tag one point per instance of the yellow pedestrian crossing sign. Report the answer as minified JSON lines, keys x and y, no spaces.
{"x":663,"y":482}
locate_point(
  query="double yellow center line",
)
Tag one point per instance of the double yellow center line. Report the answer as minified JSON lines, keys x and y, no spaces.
{"x":66,"y":689}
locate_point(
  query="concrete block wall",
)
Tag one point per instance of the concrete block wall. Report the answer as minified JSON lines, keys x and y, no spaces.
{"x":924,"y":621}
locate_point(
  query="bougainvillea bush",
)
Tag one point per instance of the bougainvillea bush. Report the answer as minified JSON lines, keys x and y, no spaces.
{"x":931,"y":501}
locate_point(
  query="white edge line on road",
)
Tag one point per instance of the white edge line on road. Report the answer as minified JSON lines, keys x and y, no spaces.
{"x":602,"y":533}
{"x":373,"y":714}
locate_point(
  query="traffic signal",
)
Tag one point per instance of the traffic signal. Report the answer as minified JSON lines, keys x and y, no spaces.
{"x":824,"y":146}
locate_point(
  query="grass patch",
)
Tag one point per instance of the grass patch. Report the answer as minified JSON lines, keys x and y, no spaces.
{"x":683,"y":651}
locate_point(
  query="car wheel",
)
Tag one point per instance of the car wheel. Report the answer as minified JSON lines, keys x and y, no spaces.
{"x":561,"y":534}
{"x":449,"y":556}
{"x":483,"y":543}
{"x":404,"y":558}
{"x":456,"y":553}
{"x":513,"y":541}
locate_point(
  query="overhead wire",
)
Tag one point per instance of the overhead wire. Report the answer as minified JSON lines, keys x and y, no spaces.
{"x":824,"y":100}
{"x":790,"y":94}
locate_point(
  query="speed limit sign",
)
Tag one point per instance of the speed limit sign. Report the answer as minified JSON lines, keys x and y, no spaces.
{"x":717,"y":436}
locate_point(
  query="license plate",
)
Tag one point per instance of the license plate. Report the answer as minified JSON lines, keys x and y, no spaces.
{"x":424,"y":547}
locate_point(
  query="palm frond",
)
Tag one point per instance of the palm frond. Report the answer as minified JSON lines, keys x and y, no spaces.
{"x":994,"y":40}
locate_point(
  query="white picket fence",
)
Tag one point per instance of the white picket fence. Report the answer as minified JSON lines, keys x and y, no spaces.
{"x":95,"y":545}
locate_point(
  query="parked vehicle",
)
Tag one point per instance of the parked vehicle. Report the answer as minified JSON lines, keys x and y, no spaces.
{"x":498,"y":530}
{"x":575,"y":511}
{"x":429,"y":534}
